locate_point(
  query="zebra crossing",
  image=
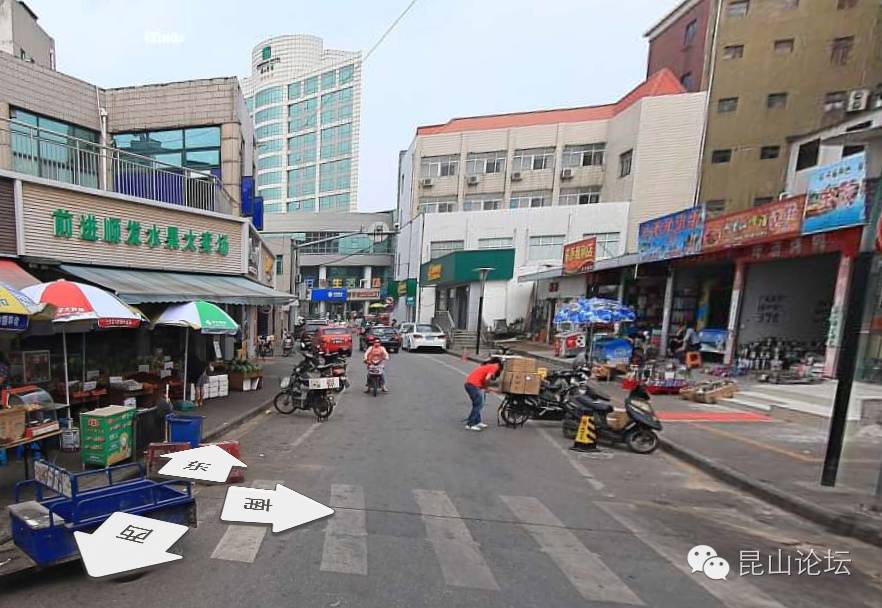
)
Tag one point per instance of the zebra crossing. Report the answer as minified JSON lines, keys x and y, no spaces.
{"x":464,"y":563}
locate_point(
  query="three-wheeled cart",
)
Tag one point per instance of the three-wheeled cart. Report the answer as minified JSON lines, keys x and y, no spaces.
{"x":43,"y":527}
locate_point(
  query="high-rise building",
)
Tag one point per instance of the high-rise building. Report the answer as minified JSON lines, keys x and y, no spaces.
{"x":775,"y":69}
{"x":22,"y":36}
{"x":306,"y":105}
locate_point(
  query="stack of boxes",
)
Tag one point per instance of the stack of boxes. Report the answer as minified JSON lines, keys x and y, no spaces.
{"x":520,"y":376}
{"x":218,"y":386}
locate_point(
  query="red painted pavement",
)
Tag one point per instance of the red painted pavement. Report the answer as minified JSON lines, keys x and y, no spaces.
{"x":713,"y":417}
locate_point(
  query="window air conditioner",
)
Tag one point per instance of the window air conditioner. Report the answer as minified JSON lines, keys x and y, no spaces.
{"x":473,"y":180}
{"x":516,"y":176}
{"x":426,"y":182}
{"x":567,"y":173}
{"x":857,"y":100}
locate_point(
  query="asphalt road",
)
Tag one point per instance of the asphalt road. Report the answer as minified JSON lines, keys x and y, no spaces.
{"x":430,"y":514}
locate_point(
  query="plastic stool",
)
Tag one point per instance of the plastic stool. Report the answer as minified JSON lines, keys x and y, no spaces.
{"x":693,"y":360}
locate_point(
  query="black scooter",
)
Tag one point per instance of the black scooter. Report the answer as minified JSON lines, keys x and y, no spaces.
{"x":637,"y":430}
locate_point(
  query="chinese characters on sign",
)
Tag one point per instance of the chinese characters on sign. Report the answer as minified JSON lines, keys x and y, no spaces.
{"x":13,"y":322}
{"x":671,"y":236}
{"x":256,"y":504}
{"x":134,"y":534}
{"x":113,"y":231}
{"x":579,"y":256}
{"x":195,"y":465}
{"x":809,"y":563}
{"x":769,"y":309}
{"x":836,"y":195}
{"x":773,"y":221}
{"x":434,"y":272}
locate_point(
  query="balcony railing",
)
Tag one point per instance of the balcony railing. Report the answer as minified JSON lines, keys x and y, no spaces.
{"x":56,"y":156}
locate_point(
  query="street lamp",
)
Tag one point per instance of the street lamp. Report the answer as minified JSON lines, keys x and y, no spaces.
{"x":483,"y":272}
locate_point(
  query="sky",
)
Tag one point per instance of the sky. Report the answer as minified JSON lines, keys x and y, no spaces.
{"x":446,"y":58}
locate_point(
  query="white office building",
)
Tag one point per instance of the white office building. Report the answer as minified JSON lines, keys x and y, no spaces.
{"x":306,"y":104}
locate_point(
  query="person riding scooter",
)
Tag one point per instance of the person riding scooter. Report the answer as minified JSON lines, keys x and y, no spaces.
{"x":287,"y":343}
{"x":376,"y":354}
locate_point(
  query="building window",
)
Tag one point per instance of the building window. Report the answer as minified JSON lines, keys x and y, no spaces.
{"x":689,"y":32}
{"x":437,"y":205}
{"x":545,"y":248}
{"x":301,"y":149}
{"x":280,"y":264}
{"x":607,"y":244}
{"x":268,"y":114}
{"x":334,"y":202}
{"x":834,"y":101}
{"x":851,"y":150}
{"x":265,"y":179}
{"x":304,"y":205}
{"x":840,"y":52}
{"x":737,"y":8}
{"x":584,"y":155}
{"x":336,"y":141}
{"x":727,"y":104}
{"x":625,"y":159}
{"x":335,"y":175}
{"x":346,"y":73}
{"x":528,"y":200}
{"x":268,"y":96}
{"x":271,"y":145}
{"x":337,"y":105}
{"x":482,"y":202}
{"x":784,"y":46}
{"x":579,"y":196}
{"x":249,"y":104}
{"x":295,"y":90}
{"x":808,"y":154}
{"x":197,"y":148}
{"x":273,"y":129}
{"x":301,"y":181}
{"x":501,"y":242}
{"x":721,"y":156}
{"x":686,"y":80}
{"x":714,"y":208}
{"x":734,"y":51}
{"x":310,"y":86}
{"x":329,"y":80}
{"x":533,"y":159}
{"x":485,"y":162}
{"x":776,"y":100}
{"x":302,"y":115}
{"x":769,"y":152}
{"x":846,"y":4}
{"x":439,"y":248}
{"x":266,"y":52}
{"x":274,"y":208}
{"x":439,"y":166}
{"x":269,"y":162}
{"x":270,"y":194}
{"x":762,"y":200}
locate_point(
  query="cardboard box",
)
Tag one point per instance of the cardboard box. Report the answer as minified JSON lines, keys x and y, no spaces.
{"x":617,"y":419}
{"x":520,"y":364}
{"x":12,"y":424}
{"x":521,"y":383}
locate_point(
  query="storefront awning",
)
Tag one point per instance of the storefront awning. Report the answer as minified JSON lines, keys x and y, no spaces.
{"x":13,"y":275}
{"x":144,"y":286}
{"x":630,"y":259}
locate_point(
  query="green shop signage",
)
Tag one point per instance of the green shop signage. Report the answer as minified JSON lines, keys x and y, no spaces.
{"x":462,"y":267}
{"x":114,"y":230}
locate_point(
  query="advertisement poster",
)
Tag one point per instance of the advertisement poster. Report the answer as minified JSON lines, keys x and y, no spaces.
{"x":781,"y":219}
{"x":836,"y":195}
{"x":671,"y":236}
{"x":579,"y":256}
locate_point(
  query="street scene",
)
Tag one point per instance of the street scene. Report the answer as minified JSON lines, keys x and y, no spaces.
{"x":417,"y":304}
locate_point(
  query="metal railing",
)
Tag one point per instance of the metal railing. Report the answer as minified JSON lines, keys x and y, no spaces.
{"x":56,"y":156}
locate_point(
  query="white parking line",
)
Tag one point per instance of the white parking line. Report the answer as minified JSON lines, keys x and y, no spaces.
{"x":304,"y":436}
{"x":241,"y":543}
{"x":574,"y":462}
{"x":461,"y":562}
{"x":345,"y":548}
{"x":586,"y":571}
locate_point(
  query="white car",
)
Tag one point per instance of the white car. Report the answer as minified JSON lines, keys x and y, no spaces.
{"x":418,"y":335}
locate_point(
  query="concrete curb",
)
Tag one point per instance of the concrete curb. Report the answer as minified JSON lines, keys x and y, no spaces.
{"x":840,"y":523}
{"x":229,"y":425}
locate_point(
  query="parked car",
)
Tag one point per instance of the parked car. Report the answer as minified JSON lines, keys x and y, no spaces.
{"x":332,"y":339}
{"x":312,"y":326}
{"x":388,"y":336}
{"x":415,"y":336}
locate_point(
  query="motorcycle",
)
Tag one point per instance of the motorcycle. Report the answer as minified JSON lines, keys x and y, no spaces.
{"x":550,"y":403}
{"x":636,"y":427}
{"x":264,"y":346}
{"x":375,"y":375}
{"x":311,"y":386}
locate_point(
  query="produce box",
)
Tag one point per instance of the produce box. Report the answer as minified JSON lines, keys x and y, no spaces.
{"x":106,"y":435}
{"x":520,"y":364}
{"x":521,"y":383}
{"x":710,"y":392}
{"x":12,"y":424}
{"x":617,"y":419}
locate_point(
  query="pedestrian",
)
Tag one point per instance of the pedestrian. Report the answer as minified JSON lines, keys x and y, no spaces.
{"x":4,"y":370}
{"x":691,"y":340}
{"x":197,"y":375}
{"x":475,"y":385}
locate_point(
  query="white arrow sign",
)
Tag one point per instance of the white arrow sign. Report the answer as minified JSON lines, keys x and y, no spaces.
{"x":282,"y":507}
{"x":127,"y":542}
{"x":207,"y":463}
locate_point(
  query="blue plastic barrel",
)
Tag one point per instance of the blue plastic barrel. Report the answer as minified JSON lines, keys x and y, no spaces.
{"x":185,"y":428}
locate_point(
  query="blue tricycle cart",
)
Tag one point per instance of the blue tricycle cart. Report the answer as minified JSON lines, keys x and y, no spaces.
{"x":43,"y":527}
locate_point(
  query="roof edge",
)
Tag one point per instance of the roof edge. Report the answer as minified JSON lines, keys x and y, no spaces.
{"x":666,"y":21}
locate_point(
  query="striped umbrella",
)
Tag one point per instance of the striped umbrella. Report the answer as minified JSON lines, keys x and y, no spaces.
{"x":15,"y":308}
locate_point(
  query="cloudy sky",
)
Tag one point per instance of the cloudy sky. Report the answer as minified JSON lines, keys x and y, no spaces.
{"x":446,"y":58}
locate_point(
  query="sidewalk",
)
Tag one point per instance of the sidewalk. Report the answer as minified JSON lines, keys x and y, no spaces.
{"x":774,"y":453}
{"x":220,"y":414}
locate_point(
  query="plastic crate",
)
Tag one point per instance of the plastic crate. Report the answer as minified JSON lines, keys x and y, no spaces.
{"x":237,"y":474}
{"x":153,"y":454}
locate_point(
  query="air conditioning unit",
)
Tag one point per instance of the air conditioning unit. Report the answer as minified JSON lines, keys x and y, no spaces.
{"x":473,"y":180}
{"x":364,"y":283}
{"x":567,"y":173}
{"x":516,"y":176}
{"x":427,"y":182}
{"x":857,"y":100}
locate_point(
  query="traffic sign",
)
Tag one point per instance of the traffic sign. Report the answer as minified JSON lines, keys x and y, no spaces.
{"x":283,"y":508}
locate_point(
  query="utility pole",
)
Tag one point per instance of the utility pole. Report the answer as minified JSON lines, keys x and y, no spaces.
{"x":483,"y":272}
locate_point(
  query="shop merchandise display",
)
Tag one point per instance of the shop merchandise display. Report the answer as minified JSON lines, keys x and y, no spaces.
{"x":774,"y":354}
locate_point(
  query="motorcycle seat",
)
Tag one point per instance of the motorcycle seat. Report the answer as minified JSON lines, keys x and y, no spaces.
{"x":588,"y":403}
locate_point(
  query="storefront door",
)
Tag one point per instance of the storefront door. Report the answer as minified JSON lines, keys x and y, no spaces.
{"x":461,"y":307}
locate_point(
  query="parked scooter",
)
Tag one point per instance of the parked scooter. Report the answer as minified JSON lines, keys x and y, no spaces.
{"x":287,"y":345}
{"x":311,"y":386}
{"x":636,"y":426}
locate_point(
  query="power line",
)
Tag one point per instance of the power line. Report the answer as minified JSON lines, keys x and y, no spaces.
{"x":389,"y":30}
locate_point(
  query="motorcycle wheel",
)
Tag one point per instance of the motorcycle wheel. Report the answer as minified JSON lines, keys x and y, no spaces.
{"x":323,"y":408}
{"x":641,"y":441}
{"x":513,"y":414}
{"x":285,"y":403}
{"x":374,"y":387}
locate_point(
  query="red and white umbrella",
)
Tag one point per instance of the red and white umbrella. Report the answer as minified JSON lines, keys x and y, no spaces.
{"x":80,"y":302}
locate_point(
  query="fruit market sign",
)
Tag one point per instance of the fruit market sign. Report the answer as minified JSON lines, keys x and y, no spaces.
{"x":133,"y":233}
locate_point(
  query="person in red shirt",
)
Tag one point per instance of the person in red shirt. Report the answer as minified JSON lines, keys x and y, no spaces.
{"x":475,"y":385}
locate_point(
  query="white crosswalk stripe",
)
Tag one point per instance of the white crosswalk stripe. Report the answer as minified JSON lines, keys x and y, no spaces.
{"x":737,"y":592}
{"x":241,"y":543}
{"x":345,"y":548}
{"x":461,"y":562}
{"x":587,"y":573}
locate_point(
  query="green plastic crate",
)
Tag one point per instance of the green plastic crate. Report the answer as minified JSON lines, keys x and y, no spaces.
{"x":106,"y":435}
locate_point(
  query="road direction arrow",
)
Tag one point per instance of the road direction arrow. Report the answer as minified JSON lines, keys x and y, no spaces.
{"x":126,"y":542}
{"x":282,"y":507}
{"x":208,"y":463}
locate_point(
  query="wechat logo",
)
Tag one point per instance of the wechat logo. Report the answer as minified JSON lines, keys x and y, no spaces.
{"x":703,"y":558}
